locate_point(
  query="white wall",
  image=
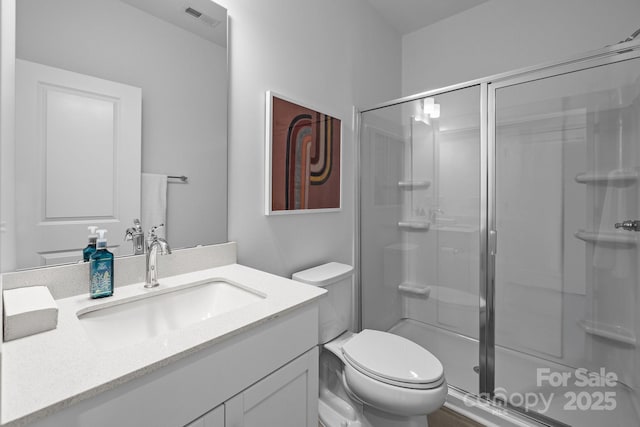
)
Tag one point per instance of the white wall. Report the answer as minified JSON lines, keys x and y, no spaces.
{"x":502,"y":35}
{"x":332,"y":55}
{"x":183,"y":81}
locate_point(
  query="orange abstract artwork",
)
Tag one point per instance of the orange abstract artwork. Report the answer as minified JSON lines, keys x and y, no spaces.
{"x":305,"y":158}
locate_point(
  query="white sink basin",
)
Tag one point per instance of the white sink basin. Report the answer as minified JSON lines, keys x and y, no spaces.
{"x":135,"y":320}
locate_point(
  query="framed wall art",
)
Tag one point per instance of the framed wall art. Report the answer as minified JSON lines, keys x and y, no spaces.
{"x":303,"y":158}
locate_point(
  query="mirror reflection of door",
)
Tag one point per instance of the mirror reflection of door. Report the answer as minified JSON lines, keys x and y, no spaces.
{"x":62,"y":120}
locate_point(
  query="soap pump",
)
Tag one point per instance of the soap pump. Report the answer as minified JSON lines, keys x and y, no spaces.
{"x":101,"y":269}
{"x":91,"y":247}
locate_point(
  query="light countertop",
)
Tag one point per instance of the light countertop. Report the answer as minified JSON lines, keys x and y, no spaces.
{"x":47,"y":372}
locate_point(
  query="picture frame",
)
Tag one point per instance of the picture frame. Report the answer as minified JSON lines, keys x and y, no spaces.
{"x":303,"y":154}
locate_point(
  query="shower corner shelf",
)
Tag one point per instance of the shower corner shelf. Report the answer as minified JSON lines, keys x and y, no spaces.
{"x":606,"y":237}
{"x":414,"y":225}
{"x":612,"y":332}
{"x":414,"y":289}
{"x":620,"y":176}
{"x":410,"y":185}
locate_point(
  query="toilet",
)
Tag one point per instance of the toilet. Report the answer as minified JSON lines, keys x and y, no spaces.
{"x":371,"y":378}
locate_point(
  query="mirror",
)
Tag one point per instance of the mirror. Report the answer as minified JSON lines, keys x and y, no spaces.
{"x":173,"y":53}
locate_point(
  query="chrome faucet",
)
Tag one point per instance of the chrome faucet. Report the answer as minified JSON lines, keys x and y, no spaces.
{"x":136,"y":235}
{"x":154,"y":244}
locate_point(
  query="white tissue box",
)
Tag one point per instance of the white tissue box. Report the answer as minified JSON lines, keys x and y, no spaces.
{"x":28,"y":311}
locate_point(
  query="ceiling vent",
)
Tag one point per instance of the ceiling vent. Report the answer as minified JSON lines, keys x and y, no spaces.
{"x":205,"y":19}
{"x":193,"y":12}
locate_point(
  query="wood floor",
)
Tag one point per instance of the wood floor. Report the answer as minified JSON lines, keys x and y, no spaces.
{"x":445,"y":417}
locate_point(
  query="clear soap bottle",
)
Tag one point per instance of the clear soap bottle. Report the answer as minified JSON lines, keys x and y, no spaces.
{"x":91,"y":247}
{"x":101,"y":269}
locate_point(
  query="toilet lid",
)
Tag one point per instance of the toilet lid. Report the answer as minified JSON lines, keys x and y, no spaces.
{"x":393,"y":359}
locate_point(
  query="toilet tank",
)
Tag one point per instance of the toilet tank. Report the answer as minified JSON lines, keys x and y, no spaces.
{"x":336,"y":307}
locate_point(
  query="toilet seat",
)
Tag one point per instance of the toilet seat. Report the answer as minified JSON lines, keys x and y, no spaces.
{"x":389,"y":398}
{"x":366,"y":381}
{"x":393,"y":360}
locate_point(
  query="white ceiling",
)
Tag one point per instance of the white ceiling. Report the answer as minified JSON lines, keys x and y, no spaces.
{"x":211,"y":25}
{"x":407,"y":16}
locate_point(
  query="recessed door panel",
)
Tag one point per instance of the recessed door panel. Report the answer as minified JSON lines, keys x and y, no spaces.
{"x":76,"y":126}
{"x":62,"y":120}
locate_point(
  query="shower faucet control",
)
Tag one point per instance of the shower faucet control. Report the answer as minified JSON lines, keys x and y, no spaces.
{"x":629,"y":225}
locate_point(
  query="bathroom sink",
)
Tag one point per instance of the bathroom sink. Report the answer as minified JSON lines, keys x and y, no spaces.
{"x":135,"y":320}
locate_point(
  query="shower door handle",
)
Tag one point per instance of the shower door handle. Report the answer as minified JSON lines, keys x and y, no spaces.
{"x":628,"y":225}
{"x":493,"y":242}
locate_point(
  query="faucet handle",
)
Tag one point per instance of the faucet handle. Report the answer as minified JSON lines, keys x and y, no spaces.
{"x":152,"y":232}
{"x":131,"y":231}
{"x":629,"y":225}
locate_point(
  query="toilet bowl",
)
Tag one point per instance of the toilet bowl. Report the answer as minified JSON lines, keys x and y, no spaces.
{"x":384,"y":380}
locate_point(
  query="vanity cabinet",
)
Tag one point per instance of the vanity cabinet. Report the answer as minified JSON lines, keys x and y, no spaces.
{"x":265,"y":375}
{"x":213,"y":418}
{"x":285,"y":398}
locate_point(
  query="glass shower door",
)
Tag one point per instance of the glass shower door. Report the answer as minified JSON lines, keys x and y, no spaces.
{"x":567,"y":310}
{"x":420,"y":226}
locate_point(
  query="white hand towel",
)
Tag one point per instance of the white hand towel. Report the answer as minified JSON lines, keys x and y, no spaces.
{"x":154,"y":202}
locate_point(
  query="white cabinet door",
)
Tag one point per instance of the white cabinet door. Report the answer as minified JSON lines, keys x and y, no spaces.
{"x":62,"y":120}
{"x":286,"y":398}
{"x":213,"y":418}
{"x":197,"y":423}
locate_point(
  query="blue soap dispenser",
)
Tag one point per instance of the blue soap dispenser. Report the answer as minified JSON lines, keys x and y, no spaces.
{"x":101,"y":269}
{"x":91,"y":247}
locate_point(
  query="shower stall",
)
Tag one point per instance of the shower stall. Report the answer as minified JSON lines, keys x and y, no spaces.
{"x":498,"y":226}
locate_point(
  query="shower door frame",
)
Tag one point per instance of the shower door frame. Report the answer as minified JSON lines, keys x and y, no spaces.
{"x":488,"y":86}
